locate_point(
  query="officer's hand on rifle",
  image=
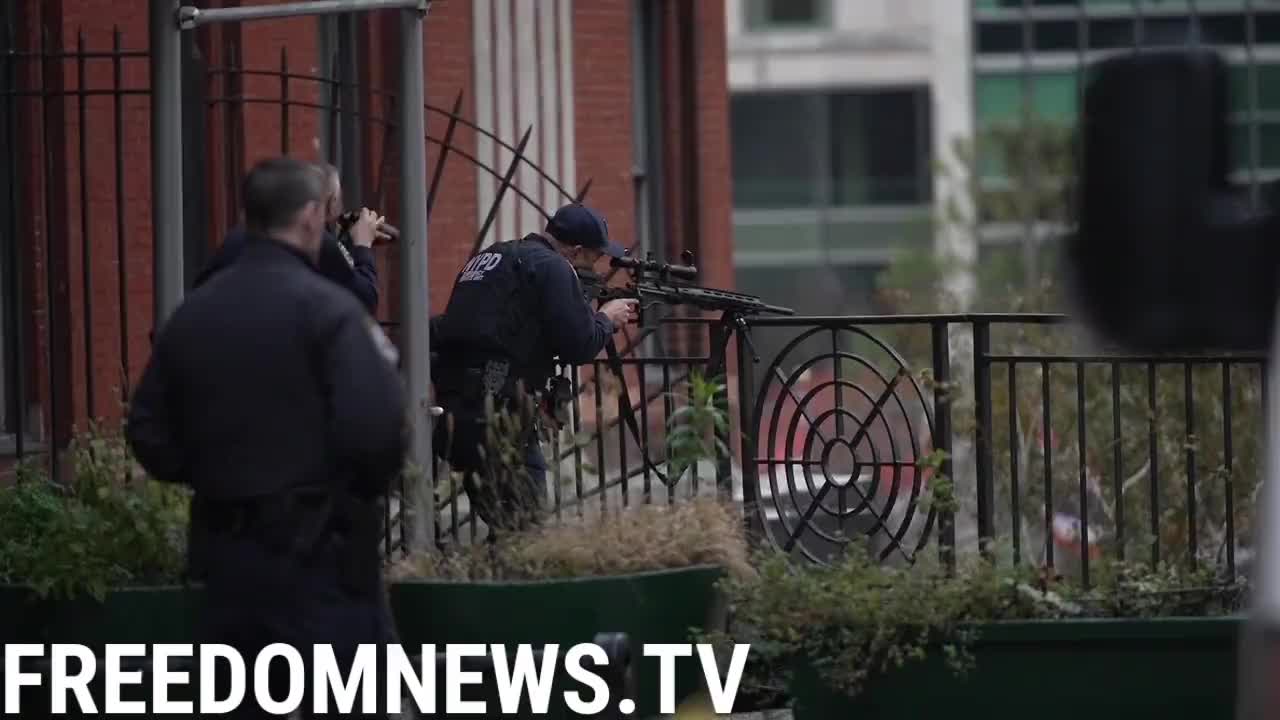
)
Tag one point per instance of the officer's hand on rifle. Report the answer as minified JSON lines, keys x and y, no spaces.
{"x":621,"y":311}
{"x":365,"y":230}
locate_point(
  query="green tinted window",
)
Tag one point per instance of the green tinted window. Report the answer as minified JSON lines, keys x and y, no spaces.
{"x":999,"y":99}
{"x":1268,"y":87}
{"x":1054,"y":98}
{"x":784,"y":14}
{"x":1268,"y":146}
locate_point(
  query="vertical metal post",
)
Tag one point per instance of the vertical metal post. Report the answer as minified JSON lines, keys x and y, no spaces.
{"x":982,"y":407}
{"x":414,"y":297}
{"x":753,"y":514}
{"x":351,"y":166}
{"x":1260,"y":643}
{"x":940,"y":332}
{"x":166,"y":158}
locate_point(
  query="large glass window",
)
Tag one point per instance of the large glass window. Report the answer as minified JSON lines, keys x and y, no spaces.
{"x":774,"y":150}
{"x":1009,"y":38}
{"x":880,"y":148}
{"x":840,"y":149}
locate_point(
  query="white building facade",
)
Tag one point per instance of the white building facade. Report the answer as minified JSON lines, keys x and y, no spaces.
{"x":840,"y":111}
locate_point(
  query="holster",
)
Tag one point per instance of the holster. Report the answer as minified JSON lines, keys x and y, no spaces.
{"x":556,"y":400}
{"x":313,"y":525}
{"x":354,"y":538}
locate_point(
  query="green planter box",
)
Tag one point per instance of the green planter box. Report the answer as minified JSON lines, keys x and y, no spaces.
{"x":1099,"y":669}
{"x":652,"y":607}
{"x":128,"y":615}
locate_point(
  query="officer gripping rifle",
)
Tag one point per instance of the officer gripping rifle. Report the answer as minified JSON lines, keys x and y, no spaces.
{"x":655,"y":283}
{"x":515,"y":309}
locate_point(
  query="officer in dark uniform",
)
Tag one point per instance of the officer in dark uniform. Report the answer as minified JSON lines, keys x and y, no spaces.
{"x":346,"y":257}
{"x":275,"y":396}
{"x":514,"y":310}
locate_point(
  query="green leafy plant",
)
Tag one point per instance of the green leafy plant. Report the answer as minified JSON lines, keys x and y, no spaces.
{"x":110,"y":527}
{"x":855,"y":620}
{"x":695,"y":430}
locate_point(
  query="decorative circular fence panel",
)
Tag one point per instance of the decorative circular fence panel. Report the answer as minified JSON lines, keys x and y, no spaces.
{"x":844,"y":440}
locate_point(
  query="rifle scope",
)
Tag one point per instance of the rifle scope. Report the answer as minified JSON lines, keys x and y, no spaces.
{"x":684,"y":272}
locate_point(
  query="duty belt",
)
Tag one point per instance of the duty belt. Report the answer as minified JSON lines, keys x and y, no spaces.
{"x":473,"y":382}
{"x":278,"y":519}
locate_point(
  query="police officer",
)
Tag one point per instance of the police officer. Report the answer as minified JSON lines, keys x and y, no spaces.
{"x":514,"y":310}
{"x":275,"y":396}
{"x":346,"y":256}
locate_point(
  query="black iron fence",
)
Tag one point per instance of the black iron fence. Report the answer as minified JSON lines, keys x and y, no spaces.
{"x":1012,"y":436}
{"x":1009,"y":435}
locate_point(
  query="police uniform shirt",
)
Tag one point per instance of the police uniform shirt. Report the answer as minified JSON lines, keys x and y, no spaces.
{"x":562,"y":323}
{"x":269,"y":376}
{"x":353,"y":268}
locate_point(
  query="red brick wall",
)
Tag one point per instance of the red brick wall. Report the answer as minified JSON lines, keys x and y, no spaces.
{"x":602,"y":114}
{"x":602,"y":98}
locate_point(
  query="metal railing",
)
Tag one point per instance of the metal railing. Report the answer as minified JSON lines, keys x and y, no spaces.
{"x":1160,"y":465}
{"x":75,"y":250}
{"x":925,"y":433}
{"x":1009,"y":435}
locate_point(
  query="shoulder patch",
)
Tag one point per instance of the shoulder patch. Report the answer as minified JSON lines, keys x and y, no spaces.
{"x":383,"y":343}
{"x":346,"y":254}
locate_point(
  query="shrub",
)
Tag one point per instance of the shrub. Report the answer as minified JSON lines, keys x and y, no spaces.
{"x":854,"y":620}
{"x":111,"y":527}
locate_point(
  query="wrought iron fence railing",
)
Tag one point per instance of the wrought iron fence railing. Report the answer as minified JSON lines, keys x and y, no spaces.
{"x":1011,"y":435}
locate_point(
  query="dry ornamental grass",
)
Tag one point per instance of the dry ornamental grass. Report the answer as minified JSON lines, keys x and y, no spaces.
{"x":703,"y":531}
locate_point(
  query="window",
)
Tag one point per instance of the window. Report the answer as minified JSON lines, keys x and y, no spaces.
{"x":774,"y":150}
{"x":844,"y":149}
{"x":880,"y":148}
{"x":787,"y":14}
{"x":1000,"y":98}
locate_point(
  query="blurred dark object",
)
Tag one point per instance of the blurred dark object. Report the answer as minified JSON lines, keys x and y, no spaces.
{"x":1169,"y":254}
{"x":347,"y":219}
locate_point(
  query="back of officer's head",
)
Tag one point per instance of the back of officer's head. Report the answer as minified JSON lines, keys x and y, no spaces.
{"x":284,"y":198}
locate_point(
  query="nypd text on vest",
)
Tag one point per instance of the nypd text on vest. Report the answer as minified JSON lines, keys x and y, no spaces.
{"x":478,"y":266}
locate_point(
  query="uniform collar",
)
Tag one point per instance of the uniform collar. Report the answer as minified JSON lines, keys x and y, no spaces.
{"x":264,"y":246}
{"x":535,"y":237}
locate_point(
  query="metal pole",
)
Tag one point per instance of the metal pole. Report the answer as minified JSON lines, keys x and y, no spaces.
{"x":348,"y":122}
{"x":193,"y":17}
{"x":414,"y":295}
{"x":166,"y":158}
{"x":1259,"y":646}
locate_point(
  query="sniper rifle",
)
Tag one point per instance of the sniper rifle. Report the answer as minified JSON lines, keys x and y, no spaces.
{"x":655,"y":283}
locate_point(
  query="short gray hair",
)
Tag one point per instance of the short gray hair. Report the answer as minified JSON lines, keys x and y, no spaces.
{"x":332,"y":174}
{"x":276,"y":189}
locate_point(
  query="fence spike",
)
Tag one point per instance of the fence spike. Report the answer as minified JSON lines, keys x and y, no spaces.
{"x":506,"y":183}
{"x":445,"y":144}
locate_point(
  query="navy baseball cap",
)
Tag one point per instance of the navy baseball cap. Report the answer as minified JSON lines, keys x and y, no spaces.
{"x":577,"y":224}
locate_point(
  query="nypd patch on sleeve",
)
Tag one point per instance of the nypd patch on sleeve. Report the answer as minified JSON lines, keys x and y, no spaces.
{"x":383,"y":343}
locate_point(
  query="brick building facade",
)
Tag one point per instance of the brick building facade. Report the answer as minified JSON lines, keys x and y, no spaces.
{"x":628,"y":94}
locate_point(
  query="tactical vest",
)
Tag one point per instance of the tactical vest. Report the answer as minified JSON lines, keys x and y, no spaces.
{"x":492,"y":314}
